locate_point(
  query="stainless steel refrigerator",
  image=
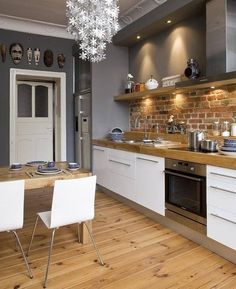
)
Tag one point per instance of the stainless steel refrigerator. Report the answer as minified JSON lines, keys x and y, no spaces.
{"x":83,"y":129}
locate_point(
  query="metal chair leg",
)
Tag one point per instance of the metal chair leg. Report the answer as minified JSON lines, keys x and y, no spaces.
{"x":49,"y":258}
{"x":32,"y":236}
{"x":23,"y":254}
{"x":94,"y":245}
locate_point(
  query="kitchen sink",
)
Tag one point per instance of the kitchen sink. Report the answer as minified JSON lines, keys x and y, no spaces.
{"x":153,"y":143}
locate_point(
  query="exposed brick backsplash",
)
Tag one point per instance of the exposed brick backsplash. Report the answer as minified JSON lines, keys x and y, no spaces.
{"x":198,"y":110}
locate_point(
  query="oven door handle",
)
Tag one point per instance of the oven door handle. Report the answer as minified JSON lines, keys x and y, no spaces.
{"x":183,"y":176}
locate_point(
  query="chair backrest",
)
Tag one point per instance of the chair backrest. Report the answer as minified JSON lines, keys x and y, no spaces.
{"x":11,"y":205}
{"x":73,"y":201}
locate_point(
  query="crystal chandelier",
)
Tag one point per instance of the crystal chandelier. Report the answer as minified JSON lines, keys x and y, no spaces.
{"x":92,"y":23}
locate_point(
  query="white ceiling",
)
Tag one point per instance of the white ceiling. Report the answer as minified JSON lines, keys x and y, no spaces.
{"x":53,"y":11}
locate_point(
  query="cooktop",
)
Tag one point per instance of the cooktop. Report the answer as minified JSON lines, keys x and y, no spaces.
{"x":190,"y":150}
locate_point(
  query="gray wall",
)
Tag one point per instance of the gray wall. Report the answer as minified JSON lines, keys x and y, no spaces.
{"x":108,"y":80}
{"x":166,"y":53}
{"x":57,"y":45}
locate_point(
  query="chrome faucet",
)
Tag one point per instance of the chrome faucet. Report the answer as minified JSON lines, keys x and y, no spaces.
{"x":137,"y":121}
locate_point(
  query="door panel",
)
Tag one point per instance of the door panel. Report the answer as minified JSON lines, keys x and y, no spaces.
{"x":34,"y":122}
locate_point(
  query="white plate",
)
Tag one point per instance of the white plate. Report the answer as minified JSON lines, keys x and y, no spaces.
{"x":36,"y":163}
{"x":49,"y":173}
{"x":228,"y":149}
{"x":227,"y":153}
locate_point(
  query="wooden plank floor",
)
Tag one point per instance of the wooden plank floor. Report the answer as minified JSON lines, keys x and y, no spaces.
{"x":139,"y":254}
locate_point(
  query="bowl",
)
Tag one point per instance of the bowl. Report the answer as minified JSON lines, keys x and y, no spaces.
{"x":73,"y":165}
{"x":16,"y":166}
{"x":229,"y":142}
{"x":116,"y":134}
{"x":51,"y":164}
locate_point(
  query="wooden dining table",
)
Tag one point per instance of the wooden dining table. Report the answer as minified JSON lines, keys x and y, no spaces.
{"x":33,"y":180}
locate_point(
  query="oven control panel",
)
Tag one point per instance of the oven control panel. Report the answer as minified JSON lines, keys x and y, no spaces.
{"x":187,"y":167}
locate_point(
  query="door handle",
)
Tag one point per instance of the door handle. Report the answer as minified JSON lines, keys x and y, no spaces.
{"x":222,"y":175}
{"x":143,"y":159}
{"x":121,"y":163}
{"x":222,"y":218}
{"x":224,"y":190}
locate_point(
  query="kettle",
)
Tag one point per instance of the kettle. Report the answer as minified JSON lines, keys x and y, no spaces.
{"x":194,"y":139}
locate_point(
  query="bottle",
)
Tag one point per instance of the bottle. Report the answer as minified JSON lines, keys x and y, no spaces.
{"x":129,"y":84}
{"x":216,"y":128}
{"x":142,"y":86}
{"x":225,"y":129}
{"x":137,"y":87}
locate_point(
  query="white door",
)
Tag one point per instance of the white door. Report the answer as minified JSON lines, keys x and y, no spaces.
{"x":34,"y":121}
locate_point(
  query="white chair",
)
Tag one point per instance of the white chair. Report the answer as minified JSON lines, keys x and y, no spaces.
{"x":12,"y":211}
{"x":73,"y":202}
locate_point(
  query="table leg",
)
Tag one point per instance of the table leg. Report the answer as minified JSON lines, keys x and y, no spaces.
{"x":83,"y":232}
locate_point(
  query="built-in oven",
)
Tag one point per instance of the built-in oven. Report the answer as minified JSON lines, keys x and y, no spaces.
{"x":185,"y":192}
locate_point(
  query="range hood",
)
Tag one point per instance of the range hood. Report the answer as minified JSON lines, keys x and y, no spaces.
{"x":220,"y":45}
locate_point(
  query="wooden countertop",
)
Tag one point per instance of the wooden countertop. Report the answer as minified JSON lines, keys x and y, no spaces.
{"x":214,"y":159}
{"x":34,"y":181}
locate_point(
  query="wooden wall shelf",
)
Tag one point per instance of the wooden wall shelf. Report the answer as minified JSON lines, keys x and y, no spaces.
{"x":182,"y":87}
{"x":145,"y":94}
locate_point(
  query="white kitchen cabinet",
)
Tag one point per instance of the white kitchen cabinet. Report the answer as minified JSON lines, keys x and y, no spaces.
{"x":121,"y":169}
{"x":149,"y":183}
{"x":221,"y":205}
{"x":100,"y":165}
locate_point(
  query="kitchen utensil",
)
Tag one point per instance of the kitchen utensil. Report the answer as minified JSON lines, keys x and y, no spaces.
{"x":208,"y":145}
{"x":194,"y":139}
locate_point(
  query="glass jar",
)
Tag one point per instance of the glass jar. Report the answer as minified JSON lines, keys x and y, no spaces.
{"x":233,"y":129}
{"x":216,"y":128}
{"x":142,"y":86}
{"x":225,"y":129}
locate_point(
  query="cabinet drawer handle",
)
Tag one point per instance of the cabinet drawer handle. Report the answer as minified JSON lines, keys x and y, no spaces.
{"x":221,"y":175}
{"x":224,"y":190}
{"x":143,"y":159}
{"x":125,"y":164}
{"x":225,"y":219}
{"x":100,"y":150}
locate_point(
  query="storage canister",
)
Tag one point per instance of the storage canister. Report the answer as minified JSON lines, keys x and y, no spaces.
{"x":225,"y":129}
{"x":233,"y":129}
{"x":216,"y":128}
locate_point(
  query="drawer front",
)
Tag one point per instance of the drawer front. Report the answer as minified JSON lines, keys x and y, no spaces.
{"x":222,"y":196}
{"x":121,"y":163}
{"x":121,"y":154}
{"x":221,"y":226}
{"x":158,"y":162}
{"x":216,"y":174}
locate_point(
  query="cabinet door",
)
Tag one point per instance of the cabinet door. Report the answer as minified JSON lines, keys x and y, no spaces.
{"x":150,"y":182}
{"x":100,"y":166}
{"x":121,"y":168}
{"x":221,"y":203}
